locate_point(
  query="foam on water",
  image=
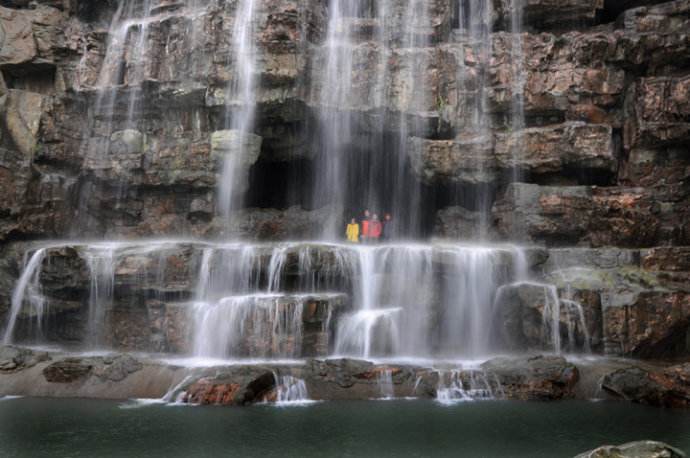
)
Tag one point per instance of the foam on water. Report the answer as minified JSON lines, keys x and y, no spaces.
{"x":140,"y":403}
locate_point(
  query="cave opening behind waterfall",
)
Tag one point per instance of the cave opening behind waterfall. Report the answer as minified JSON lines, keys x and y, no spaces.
{"x":371,"y":171}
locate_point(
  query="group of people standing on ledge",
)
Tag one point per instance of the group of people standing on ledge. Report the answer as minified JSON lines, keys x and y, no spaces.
{"x":370,"y":230}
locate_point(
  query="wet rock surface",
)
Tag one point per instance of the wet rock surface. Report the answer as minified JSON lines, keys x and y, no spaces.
{"x":604,"y":98}
{"x":639,"y":449}
{"x":534,"y":378}
{"x":67,"y":371}
{"x":664,"y":387}
{"x":597,"y":170}
{"x":123,"y":375}
{"x":17,"y":358}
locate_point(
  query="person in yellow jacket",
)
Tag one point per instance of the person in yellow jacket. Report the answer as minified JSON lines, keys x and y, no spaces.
{"x":353,"y":231}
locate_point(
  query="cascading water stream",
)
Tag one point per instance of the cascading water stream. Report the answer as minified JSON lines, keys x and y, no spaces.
{"x":558,"y":311}
{"x":242,"y":301}
{"x":396,"y":315}
{"x":474,"y":22}
{"x":466,"y":384}
{"x":517,"y":108}
{"x":333,"y":95}
{"x":385,"y":383}
{"x":29,"y":284}
{"x":415,"y":40}
{"x":291,"y":391}
{"x":240,"y":110}
{"x":101,"y":264}
{"x":234,"y":322}
{"x":119,"y":100}
{"x":355,"y":150}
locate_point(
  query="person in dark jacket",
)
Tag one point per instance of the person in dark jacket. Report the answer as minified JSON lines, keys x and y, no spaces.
{"x":364,"y":233}
{"x":387,"y":227}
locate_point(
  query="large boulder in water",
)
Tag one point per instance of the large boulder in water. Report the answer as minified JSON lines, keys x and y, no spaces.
{"x":241,"y":385}
{"x":668,"y":387}
{"x":68,"y":370}
{"x":639,"y":449}
{"x":533,"y":378}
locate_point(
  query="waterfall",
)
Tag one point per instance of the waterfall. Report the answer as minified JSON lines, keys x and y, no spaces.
{"x":397,"y":316}
{"x":122,"y":72}
{"x":369,"y":333}
{"x":517,"y":57}
{"x":576,"y":318}
{"x":242,"y":296}
{"x":291,"y":391}
{"x":450,"y":389}
{"x":240,"y":109}
{"x":137,"y":64}
{"x":393,"y":314}
{"x":253,"y":325}
{"x":576,"y":314}
{"x":28,"y":286}
{"x":101,"y":263}
{"x":250,"y":300}
{"x":376,"y":69}
{"x":357,"y":164}
{"x":176,"y":393}
{"x":517,"y":110}
{"x":414,"y":48}
{"x":469,"y":288}
{"x":557,"y":311}
{"x":334,"y":94}
{"x":384,"y":381}
{"x":469,"y":385}
{"x":474,"y":21}
{"x":119,"y":87}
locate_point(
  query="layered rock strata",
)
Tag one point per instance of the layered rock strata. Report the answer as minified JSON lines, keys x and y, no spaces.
{"x":600,"y":158}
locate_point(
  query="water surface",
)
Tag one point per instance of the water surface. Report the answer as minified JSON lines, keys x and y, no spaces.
{"x":76,"y":428}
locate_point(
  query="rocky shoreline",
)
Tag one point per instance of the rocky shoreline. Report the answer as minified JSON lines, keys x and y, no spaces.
{"x":121,"y":376}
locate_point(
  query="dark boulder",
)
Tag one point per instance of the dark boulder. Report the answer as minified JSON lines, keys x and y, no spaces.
{"x":68,"y":370}
{"x":668,"y":387}
{"x":639,"y":449}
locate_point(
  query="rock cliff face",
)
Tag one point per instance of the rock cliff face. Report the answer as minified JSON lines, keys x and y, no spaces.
{"x":596,"y":168}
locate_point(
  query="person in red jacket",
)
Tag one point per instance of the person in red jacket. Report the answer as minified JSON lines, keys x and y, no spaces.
{"x":375,"y":229}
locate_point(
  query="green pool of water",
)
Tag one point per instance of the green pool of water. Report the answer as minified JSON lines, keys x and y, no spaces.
{"x":81,"y":428}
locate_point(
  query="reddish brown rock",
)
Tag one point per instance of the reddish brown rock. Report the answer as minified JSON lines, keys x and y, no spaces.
{"x":206,"y":392}
{"x":648,"y":324}
{"x":597,"y":216}
{"x":653,"y":167}
{"x":543,"y":151}
{"x":669,"y":387}
{"x":676,"y":259}
{"x":661,"y":112}
{"x":67,"y":371}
